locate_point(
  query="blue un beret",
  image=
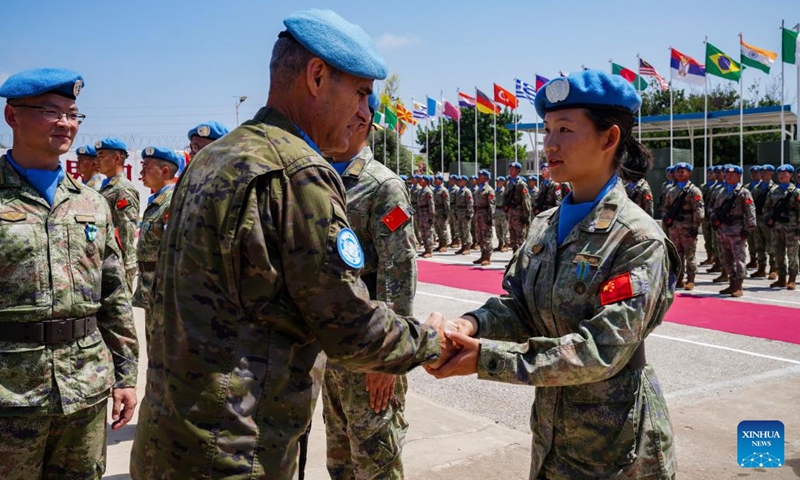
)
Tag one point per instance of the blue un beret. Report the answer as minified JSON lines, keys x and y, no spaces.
{"x":111,"y":144}
{"x":427,"y":178}
{"x":515,"y":164}
{"x":785,"y":168}
{"x":404,"y":177}
{"x":501,"y":178}
{"x":374,"y":102}
{"x":212,"y":130}
{"x":38,"y":81}
{"x":684,"y":165}
{"x":474,"y":177}
{"x":733,"y":168}
{"x":417,"y":176}
{"x":533,"y":177}
{"x":670,"y":169}
{"x":755,"y":168}
{"x":768,"y":167}
{"x":586,"y":89}
{"x":485,"y":173}
{"x":439,"y":176}
{"x":543,"y":165}
{"x":719,"y":168}
{"x":341,"y":44}
{"x":465,"y":177}
{"x":521,"y":179}
{"x":165,"y":154}
{"x":87,"y":151}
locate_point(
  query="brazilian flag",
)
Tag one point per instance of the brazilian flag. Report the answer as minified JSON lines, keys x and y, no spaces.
{"x":721,"y":65}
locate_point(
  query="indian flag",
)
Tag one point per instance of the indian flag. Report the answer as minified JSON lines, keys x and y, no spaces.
{"x":791,"y":46}
{"x":757,"y":57}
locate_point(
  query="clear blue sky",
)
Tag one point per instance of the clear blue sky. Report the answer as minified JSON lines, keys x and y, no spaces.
{"x":154,"y":69}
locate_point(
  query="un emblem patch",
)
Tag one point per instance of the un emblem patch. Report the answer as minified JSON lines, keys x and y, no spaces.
{"x":349,"y":248}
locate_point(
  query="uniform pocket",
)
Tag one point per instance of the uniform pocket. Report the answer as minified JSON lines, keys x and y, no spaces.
{"x":25,"y":376}
{"x":94,"y":370}
{"x":86,"y":249}
{"x":24,"y":276}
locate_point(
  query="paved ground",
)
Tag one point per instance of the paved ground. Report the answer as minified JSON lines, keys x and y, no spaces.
{"x":468,"y":429}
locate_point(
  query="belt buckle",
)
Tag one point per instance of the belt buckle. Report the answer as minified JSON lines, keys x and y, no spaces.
{"x":57,"y":331}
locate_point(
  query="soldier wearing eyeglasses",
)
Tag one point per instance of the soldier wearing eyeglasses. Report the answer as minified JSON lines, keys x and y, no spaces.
{"x":67,"y":338}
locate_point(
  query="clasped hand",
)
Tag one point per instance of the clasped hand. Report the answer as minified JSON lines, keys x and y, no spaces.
{"x":459,"y":350}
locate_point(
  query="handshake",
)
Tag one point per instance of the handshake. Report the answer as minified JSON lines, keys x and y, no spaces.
{"x":460,"y":351}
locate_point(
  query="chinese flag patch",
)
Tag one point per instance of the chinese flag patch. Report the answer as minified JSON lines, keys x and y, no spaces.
{"x":616,"y":289}
{"x":395,"y":219}
{"x":648,"y":197}
{"x":122,"y":204}
{"x":697,"y":198}
{"x":748,"y":201}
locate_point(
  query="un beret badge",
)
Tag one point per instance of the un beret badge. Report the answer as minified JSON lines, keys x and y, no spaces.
{"x":98,"y":144}
{"x":204,"y":130}
{"x":81,"y":151}
{"x":557,"y":90}
{"x":76,"y":89}
{"x":149,"y":151}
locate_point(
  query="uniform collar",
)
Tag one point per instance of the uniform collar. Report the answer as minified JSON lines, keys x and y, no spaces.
{"x":158,"y":197}
{"x":270,"y":116}
{"x":358,"y":163}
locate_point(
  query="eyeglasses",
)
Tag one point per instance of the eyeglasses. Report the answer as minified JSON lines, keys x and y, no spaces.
{"x":54,"y":115}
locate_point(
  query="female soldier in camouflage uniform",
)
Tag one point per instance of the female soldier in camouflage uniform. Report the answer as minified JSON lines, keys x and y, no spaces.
{"x":594,"y":277}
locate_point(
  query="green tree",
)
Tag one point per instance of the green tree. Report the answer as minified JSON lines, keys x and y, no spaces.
{"x":390,"y":160}
{"x":505,"y":139}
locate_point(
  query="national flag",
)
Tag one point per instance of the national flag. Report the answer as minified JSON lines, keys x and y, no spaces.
{"x":451,"y":111}
{"x":504,"y":97}
{"x":390,"y":118}
{"x":420,"y":110}
{"x":721,"y":65}
{"x":616,"y":289}
{"x":540,"y":82}
{"x":687,"y":69}
{"x":757,"y":57}
{"x":395,"y":218}
{"x":485,"y":105}
{"x":790,"y":47}
{"x":401,"y":127}
{"x":629,"y":75}
{"x":377,"y":118}
{"x":403,"y":114}
{"x":434,"y":107}
{"x":526,"y":90}
{"x":465,"y":100}
{"x":649,"y":70}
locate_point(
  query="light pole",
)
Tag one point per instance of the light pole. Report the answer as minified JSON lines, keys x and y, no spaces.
{"x":239,"y":101}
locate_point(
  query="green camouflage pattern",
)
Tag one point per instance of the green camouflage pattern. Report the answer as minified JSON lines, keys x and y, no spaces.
{"x":762,"y":235}
{"x":733,"y":237}
{"x":441,"y":200}
{"x":56,"y":264}
{"x":549,"y":196}
{"x":785,"y":234}
{"x":251,"y":285}
{"x":465,"y":209}
{"x":518,"y":209}
{"x":123,"y":200}
{"x":708,"y":232}
{"x":641,"y":194}
{"x":426,"y":214}
{"x":484,"y":213}
{"x":592,"y":416}
{"x":683,"y":232}
{"x":154,"y":221}
{"x":413,"y":195}
{"x":500,"y":218}
{"x":453,"y":218}
{"x":96,"y":182}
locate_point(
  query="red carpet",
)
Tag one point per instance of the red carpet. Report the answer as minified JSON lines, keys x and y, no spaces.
{"x":753,"y":320}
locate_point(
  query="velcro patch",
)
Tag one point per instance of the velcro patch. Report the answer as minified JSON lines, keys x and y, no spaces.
{"x":395,"y":218}
{"x":616,"y":289}
{"x":122,"y":204}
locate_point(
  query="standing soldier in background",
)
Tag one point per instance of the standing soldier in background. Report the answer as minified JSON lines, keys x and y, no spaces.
{"x":641,"y":194}
{"x":682,"y":213}
{"x":427,"y":214}
{"x":204,"y":134}
{"x":500,"y":218}
{"x":670,"y":171}
{"x":708,"y":236}
{"x":473,"y":186}
{"x":532,"y":182}
{"x":441,"y":200}
{"x":413,"y":194}
{"x":734,"y":216}
{"x":716,"y":190}
{"x":755,"y":179}
{"x":66,"y":324}
{"x":452,"y":187}
{"x":159,"y":168}
{"x":122,"y":197}
{"x":364,"y":425}
{"x":87,"y":167}
{"x":484,"y":212}
{"x":782,"y":211}
{"x":549,"y":195}
{"x":517,"y":206}
{"x":762,"y":236}
{"x":464,"y":212}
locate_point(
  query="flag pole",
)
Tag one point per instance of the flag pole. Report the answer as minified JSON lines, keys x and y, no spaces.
{"x":413,"y":133}
{"x":705,"y":122}
{"x":516,"y":132}
{"x":476,"y":130}
{"x":741,"y":109}
{"x":494,"y":162}
{"x":535,"y":132}
{"x":797,"y":69}
{"x":427,"y":143}
{"x":639,"y":61}
{"x":385,"y":132}
{"x":458,"y":123}
{"x":441,"y":124}
{"x":671,"y":159}
{"x":397,"y":135}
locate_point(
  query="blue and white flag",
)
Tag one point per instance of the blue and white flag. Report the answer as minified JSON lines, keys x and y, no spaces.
{"x":434,"y":107}
{"x":420,"y":111}
{"x":526,"y":90}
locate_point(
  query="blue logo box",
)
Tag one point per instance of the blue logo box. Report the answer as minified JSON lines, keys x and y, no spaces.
{"x":760,"y":444}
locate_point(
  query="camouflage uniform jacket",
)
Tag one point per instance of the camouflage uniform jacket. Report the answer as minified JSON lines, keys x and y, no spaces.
{"x":760,"y":195}
{"x":413,"y":195}
{"x":499,"y":199}
{"x":123,"y":199}
{"x":425,"y":204}
{"x":61,"y":263}
{"x":641,"y":194}
{"x":252,"y":284}
{"x":707,"y":189}
{"x":788,"y":220}
{"x":96,"y":182}
{"x":549,"y":197}
{"x":517,"y":199}
{"x":453,"y":194}
{"x":441,"y":200}
{"x":592,"y":417}
{"x":154,"y":221}
{"x":465,"y":204}
{"x":485,"y":201}
{"x":743,"y":213}
{"x":692,"y":211}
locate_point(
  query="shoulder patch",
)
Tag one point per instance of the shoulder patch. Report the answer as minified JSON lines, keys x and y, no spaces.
{"x":122,"y":204}
{"x":395,"y":218}
{"x":616,"y":289}
{"x":697,"y":198}
{"x":748,"y":201}
{"x":349,"y":248}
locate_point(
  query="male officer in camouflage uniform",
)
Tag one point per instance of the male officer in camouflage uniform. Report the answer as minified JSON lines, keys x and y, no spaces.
{"x":484,"y":213}
{"x":734,"y":216}
{"x":708,"y":237}
{"x":414,"y":196}
{"x":464,"y":211}
{"x":762,"y":235}
{"x":427,"y":214}
{"x":640,"y":193}
{"x":473,"y":186}
{"x":87,"y":167}
{"x":159,"y":167}
{"x":500,"y":218}
{"x":517,"y":206}
{"x":441,"y":200}
{"x":782,"y":211}
{"x":364,"y":422}
{"x":755,"y":179}
{"x":452,"y":187}
{"x":682,"y":213}
{"x":719,"y":186}
{"x":204,"y":134}
{"x":259,"y":272}
{"x":66,"y":325}
{"x":549,"y":195}
{"x":122,"y":198}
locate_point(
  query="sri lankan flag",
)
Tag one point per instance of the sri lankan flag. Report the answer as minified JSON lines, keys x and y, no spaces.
{"x":721,"y":65}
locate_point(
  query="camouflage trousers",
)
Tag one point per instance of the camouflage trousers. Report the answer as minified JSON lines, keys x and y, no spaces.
{"x":54,"y":446}
{"x":734,"y":255}
{"x":442,"y":230}
{"x":472,"y":231}
{"x":417,"y":233}
{"x":517,"y":229}
{"x":483,"y":231}
{"x":362,"y":444}
{"x":708,"y":238}
{"x":501,"y":227}
{"x":762,"y":242}
{"x":784,"y":245}
{"x":453,"y":226}
{"x":684,"y":236}
{"x":426,"y":232}
{"x":463,"y":226}
{"x":718,"y":246}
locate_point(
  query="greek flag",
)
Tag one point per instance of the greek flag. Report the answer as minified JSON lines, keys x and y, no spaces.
{"x":526,"y":90}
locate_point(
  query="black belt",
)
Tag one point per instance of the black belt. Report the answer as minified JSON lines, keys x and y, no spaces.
{"x":638,"y":360}
{"x":49,"y":331}
{"x":147,"y":266}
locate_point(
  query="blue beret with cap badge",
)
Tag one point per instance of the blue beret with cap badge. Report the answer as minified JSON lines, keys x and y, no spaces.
{"x":587,"y":89}
{"x":38,"y":81}
{"x":211,"y":130}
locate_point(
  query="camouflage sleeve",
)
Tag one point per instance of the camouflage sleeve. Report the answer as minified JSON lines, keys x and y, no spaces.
{"x":397,"y":267}
{"x":647,"y":203}
{"x":357,"y":333}
{"x":492,"y":202}
{"x":526,"y":203}
{"x":470,"y":203}
{"x":115,"y":316}
{"x":698,"y":208}
{"x":129,"y":220}
{"x":431,"y":205}
{"x":749,"y":209}
{"x":602,"y":345}
{"x":446,"y":203}
{"x":557,"y":195}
